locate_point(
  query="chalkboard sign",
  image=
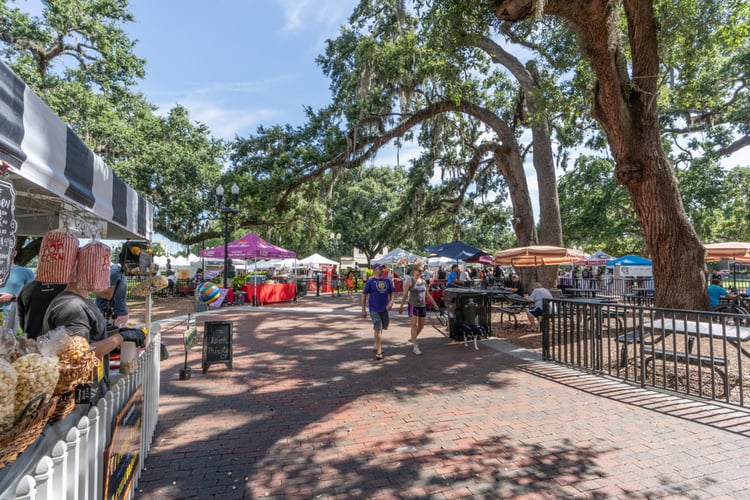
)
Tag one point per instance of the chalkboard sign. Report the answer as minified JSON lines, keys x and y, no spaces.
{"x":217,"y":343}
{"x":7,"y":228}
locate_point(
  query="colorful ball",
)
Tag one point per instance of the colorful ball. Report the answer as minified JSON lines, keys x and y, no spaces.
{"x":209,"y":292}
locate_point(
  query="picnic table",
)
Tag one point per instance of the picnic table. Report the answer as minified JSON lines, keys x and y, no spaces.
{"x":582,"y":292}
{"x":734,"y":334}
{"x":692,"y":330}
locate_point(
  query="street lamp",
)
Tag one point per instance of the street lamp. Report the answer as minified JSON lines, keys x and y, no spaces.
{"x":335,"y":240}
{"x":204,"y":228}
{"x":227,"y":209}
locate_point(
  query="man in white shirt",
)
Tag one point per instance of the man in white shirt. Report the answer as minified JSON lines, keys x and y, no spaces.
{"x":464,"y":278}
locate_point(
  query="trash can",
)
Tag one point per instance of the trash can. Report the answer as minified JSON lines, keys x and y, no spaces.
{"x":301,"y":287}
{"x":468,"y":305}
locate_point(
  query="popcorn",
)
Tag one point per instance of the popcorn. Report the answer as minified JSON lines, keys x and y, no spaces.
{"x":36,"y":375}
{"x":8,"y":378}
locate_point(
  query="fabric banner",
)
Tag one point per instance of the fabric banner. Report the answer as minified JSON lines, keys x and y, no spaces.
{"x":51,"y":163}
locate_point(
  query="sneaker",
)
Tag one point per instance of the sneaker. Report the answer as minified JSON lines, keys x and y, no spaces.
{"x":416,"y":350}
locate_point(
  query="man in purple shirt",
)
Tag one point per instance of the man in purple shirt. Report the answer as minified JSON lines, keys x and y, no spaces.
{"x":378,"y":294}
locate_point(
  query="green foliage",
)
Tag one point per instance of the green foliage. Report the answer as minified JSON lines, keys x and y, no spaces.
{"x":363,"y":212}
{"x":167,"y":155}
{"x":734,"y":225}
{"x":702,"y":185}
{"x":596,"y":213}
{"x":79,"y":59}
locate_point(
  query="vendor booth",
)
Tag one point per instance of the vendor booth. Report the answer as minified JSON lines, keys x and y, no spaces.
{"x":253,"y":247}
{"x":318,"y":274}
{"x":54,"y":181}
{"x":631,"y":266}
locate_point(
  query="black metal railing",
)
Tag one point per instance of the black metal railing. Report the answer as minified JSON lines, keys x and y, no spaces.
{"x":695,"y":353}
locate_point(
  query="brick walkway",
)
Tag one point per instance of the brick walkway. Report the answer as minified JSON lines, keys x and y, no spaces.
{"x":307,"y":413}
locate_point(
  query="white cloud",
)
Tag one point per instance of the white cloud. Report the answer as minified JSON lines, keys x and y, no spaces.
{"x":325,"y":15}
{"x":227,"y":121}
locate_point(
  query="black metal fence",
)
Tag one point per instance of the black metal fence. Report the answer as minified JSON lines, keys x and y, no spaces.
{"x":635,"y":291}
{"x":694,"y":353}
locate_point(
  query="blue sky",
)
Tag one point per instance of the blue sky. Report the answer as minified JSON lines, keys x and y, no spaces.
{"x":239,"y":64}
{"x":236,"y":64}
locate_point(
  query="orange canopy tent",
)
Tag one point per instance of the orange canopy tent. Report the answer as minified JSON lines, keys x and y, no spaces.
{"x":537,"y":255}
{"x":730,"y":250}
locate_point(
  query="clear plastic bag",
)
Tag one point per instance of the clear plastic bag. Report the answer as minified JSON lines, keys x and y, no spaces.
{"x":8,"y":379}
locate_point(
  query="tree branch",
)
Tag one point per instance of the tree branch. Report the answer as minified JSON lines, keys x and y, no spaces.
{"x":365,"y":149}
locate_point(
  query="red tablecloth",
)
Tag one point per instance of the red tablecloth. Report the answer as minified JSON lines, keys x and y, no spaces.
{"x":270,"y":293}
{"x":437,"y":296}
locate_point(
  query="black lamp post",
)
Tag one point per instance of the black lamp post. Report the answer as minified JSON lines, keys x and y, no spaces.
{"x":227,"y":209}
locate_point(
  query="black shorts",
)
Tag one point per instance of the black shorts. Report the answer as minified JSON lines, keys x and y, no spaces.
{"x":536,"y":312}
{"x":419,"y":312}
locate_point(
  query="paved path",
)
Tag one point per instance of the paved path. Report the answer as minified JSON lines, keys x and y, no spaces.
{"x":307,"y":413}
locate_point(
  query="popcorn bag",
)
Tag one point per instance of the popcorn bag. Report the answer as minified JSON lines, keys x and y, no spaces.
{"x":37,"y":375}
{"x":93,"y":266}
{"x":57,"y":257}
{"x":8,"y":379}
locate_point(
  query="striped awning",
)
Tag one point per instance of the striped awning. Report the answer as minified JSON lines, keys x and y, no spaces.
{"x":58,"y":180}
{"x":730,"y":250}
{"x":537,"y":255}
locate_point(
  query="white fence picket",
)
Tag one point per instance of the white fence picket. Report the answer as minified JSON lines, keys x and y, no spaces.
{"x":74,"y":468}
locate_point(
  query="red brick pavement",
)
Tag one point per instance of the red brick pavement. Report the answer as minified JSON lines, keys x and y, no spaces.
{"x":307,"y":413}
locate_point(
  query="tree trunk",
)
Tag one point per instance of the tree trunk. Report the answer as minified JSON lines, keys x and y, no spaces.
{"x":626,"y":108}
{"x":550,"y":225}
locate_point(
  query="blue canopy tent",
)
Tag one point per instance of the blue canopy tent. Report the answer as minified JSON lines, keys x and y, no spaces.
{"x":629,"y":260}
{"x":458,"y":250}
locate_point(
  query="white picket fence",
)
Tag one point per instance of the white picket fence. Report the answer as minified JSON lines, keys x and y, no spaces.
{"x":73,"y":468}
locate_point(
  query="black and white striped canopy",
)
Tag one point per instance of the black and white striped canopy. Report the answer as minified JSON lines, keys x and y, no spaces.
{"x":58,"y":180}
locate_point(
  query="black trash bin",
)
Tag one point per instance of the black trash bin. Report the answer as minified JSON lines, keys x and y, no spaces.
{"x":478,"y":312}
{"x":301,"y":287}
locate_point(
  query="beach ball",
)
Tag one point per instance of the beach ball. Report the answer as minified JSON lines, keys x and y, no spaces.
{"x":209,"y":292}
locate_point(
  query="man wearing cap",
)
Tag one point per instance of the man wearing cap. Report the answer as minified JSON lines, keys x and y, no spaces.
{"x":378,"y":294}
{"x":515,"y":285}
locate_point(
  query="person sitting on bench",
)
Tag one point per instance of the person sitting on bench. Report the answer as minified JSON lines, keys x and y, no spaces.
{"x":515,"y":285}
{"x":538,"y":294}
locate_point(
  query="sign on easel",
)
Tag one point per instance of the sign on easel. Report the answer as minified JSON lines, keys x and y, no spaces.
{"x":217,"y":344}
{"x":7,"y":228}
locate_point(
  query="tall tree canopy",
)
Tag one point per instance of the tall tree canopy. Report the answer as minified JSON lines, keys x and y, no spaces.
{"x":626,"y":104}
{"x":79,"y":59}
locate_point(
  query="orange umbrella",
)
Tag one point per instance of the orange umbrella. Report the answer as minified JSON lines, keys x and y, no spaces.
{"x":537,"y":255}
{"x":730,"y":250}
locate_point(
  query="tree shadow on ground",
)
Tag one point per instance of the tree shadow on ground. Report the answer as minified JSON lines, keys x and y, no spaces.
{"x":307,"y":412}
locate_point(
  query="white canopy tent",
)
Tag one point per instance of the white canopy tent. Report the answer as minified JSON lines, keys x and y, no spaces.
{"x":316,"y":260}
{"x":442,"y":261}
{"x":397,"y":256}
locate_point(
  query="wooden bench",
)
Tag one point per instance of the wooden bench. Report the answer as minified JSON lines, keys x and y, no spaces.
{"x":514,"y":305}
{"x":716,"y":364}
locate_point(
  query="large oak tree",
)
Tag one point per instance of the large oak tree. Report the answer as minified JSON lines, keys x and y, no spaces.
{"x":625,"y":104}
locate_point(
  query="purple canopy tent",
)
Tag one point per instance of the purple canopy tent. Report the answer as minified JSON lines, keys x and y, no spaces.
{"x":250,"y":246}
